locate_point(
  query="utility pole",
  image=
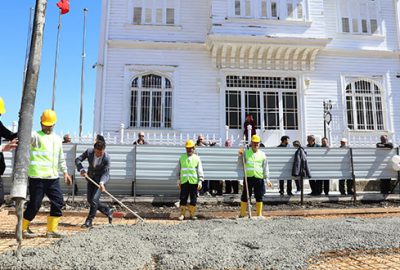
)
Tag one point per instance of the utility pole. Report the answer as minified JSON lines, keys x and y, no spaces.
{"x":21,"y":163}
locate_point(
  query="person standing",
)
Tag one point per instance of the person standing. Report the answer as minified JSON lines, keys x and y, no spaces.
{"x":191,"y":176}
{"x":256,"y":167}
{"x":98,"y":171}
{"x":231,"y":184}
{"x":249,"y":121}
{"x":209,"y":186}
{"x":285,"y":143}
{"x":385,"y":182}
{"x":349,"y":182}
{"x":140,"y":139}
{"x":325,"y":183}
{"x":46,"y":160}
{"x":8,"y":135}
{"x":316,"y":187}
{"x":67,"y":138}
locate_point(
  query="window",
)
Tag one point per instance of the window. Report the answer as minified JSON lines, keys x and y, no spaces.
{"x":358,"y":16}
{"x":269,"y":9}
{"x":151,"y":102}
{"x":154,"y":12}
{"x":364,"y":105}
{"x":271,"y":100}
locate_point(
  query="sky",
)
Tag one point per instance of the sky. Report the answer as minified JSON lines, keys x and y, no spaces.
{"x":14,"y":18}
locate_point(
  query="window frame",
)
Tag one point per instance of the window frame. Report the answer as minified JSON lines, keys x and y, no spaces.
{"x":346,"y":10}
{"x":154,"y":6}
{"x":257,"y":10}
{"x":263,"y":108}
{"x":361,"y":99}
{"x":135,"y":112}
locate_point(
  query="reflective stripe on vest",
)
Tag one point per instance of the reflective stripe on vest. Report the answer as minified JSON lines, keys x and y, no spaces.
{"x":44,"y":158}
{"x":254,"y":164}
{"x":188,"y":171}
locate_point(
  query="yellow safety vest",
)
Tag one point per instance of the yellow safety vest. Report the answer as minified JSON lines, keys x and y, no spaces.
{"x":188,"y":171}
{"x":44,"y":158}
{"x":254,"y":163}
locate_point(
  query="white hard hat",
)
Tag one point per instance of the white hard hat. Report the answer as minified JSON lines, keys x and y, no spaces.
{"x":344,"y":140}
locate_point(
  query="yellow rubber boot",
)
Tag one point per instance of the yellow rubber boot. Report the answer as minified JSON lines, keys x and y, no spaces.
{"x":26,"y":232}
{"x":259,"y":209}
{"x":52,"y":227}
{"x":243,"y":208}
{"x":183,"y":212}
{"x":25,"y":224}
{"x":192,"y":211}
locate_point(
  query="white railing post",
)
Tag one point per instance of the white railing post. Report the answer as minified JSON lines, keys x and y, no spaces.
{"x":121,"y":132}
{"x":249,"y":128}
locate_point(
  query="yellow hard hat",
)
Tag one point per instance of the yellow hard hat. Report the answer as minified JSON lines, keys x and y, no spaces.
{"x":255,"y":138}
{"x":2,"y":107}
{"x":189,"y":144}
{"x":48,"y":118}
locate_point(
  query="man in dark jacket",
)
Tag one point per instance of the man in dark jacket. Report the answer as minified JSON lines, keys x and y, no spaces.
{"x":99,"y":171}
{"x":385,"y":182}
{"x":315,"y":185}
{"x":285,"y":143}
{"x":8,"y":135}
{"x":300,"y":165}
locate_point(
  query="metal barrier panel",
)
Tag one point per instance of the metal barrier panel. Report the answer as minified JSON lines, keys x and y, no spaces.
{"x":156,"y":169}
{"x":121,"y":169}
{"x":329,"y":163}
{"x":373,"y":163}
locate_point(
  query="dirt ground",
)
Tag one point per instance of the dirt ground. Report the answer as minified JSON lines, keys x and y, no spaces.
{"x":74,"y":216}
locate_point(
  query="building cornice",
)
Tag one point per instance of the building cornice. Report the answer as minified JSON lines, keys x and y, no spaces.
{"x":359,"y":53}
{"x":154,"y":45}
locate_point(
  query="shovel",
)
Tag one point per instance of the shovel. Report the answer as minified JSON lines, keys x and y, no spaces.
{"x":115,"y":199}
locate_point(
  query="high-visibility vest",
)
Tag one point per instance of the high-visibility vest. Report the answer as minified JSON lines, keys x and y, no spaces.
{"x":189,"y":169}
{"x":44,"y":158}
{"x":254,"y":163}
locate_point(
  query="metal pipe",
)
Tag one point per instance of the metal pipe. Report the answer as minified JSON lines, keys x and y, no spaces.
{"x":85,"y":10}
{"x":56,"y":61}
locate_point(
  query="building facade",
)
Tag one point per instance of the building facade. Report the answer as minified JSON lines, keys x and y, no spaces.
{"x":190,"y":66}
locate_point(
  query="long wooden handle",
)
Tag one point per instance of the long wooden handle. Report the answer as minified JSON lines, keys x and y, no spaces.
{"x":115,"y":199}
{"x":247,"y":187}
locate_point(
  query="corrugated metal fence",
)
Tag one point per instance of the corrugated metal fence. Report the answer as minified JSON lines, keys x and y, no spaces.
{"x":151,"y":170}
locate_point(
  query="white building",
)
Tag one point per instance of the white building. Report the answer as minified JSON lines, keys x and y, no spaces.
{"x":197,"y":66}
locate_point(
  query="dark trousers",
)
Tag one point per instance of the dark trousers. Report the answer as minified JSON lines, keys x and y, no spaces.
{"x":231,"y":184}
{"x":186,"y":191}
{"x":288,"y":186}
{"x":93,"y":198}
{"x":37,"y":189}
{"x":385,"y":185}
{"x":313,"y":186}
{"x":325,"y":184}
{"x":255,"y":184}
{"x":205,"y":186}
{"x":349,"y":184}
{"x":1,"y":191}
{"x":216,"y":186}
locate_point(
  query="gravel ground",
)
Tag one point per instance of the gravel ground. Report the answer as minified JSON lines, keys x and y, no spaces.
{"x":280,"y":243}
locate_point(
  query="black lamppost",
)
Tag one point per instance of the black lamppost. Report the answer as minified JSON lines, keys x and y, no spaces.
{"x":327,"y":114}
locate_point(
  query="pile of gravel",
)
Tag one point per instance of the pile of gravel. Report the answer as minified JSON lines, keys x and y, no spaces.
{"x":281,"y":243}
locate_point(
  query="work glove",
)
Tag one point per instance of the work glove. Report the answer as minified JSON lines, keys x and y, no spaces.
{"x":269,"y":184}
{"x":241,"y":151}
{"x":178,"y":183}
{"x":199,"y":185}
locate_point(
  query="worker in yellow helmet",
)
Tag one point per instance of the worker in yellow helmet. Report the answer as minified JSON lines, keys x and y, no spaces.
{"x":190,"y":180}
{"x":256,"y":166}
{"x":8,"y":135}
{"x":46,"y":160}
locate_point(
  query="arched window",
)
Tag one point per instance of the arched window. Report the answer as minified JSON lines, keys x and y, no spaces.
{"x":364,"y":105}
{"x":151,"y":102}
